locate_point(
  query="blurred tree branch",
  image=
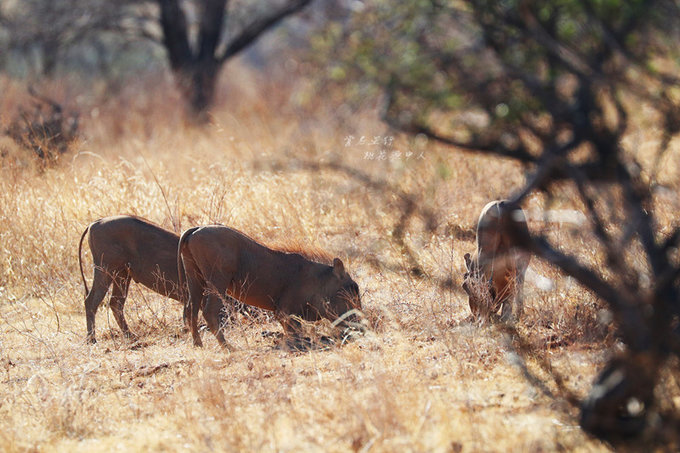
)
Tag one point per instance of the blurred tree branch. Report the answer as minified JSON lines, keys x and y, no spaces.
{"x":557,"y":87}
{"x":259,"y":26}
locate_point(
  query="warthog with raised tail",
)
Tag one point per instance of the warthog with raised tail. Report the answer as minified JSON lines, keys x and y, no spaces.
{"x":220,"y":261}
{"x":495,"y":275}
{"x":128,"y":248}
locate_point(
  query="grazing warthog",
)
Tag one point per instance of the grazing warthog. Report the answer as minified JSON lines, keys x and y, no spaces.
{"x":220,"y":261}
{"x":495,"y":276}
{"x":128,"y":248}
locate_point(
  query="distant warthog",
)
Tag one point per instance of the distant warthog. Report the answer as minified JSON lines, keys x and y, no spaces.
{"x":495,"y":276}
{"x":128,"y":248}
{"x":220,"y":261}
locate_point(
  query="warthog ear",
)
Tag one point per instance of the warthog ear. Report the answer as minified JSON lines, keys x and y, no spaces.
{"x":468,"y":262}
{"x":338,"y":268}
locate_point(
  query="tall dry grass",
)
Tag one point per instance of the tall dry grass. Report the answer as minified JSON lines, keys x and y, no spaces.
{"x":423,"y":378}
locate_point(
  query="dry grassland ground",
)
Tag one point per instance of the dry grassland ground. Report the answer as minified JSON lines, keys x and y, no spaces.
{"x":422,"y":379}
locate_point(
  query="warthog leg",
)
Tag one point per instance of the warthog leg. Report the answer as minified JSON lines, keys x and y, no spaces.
{"x":213,"y":312}
{"x":118,"y":295}
{"x":291,"y":324}
{"x":100,"y":285}
{"x":292,"y":332}
{"x":519,"y":297}
{"x":506,"y":312}
{"x":193,"y":304}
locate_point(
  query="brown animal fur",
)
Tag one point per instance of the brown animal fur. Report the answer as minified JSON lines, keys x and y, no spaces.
{"x":128,"y":248}
{"x":221,"y":261}
{"x":497,"y":265}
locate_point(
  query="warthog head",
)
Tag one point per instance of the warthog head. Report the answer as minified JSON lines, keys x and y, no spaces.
{"x":335,"y":294}
{"x":481,"y":292}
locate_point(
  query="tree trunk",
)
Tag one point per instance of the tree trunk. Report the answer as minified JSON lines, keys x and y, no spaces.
{"x":50,"y":57}
{"x":196,"y":68}
{"x":197,"y":84}
{"x":196,"y":71}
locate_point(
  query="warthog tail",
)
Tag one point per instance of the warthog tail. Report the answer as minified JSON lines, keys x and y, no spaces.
{"x":180,"y":266}
{"x":80,"y":258}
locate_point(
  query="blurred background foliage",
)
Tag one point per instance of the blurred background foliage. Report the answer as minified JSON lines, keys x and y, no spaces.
{"x":493,"y":75}
{"x":90,"y":38}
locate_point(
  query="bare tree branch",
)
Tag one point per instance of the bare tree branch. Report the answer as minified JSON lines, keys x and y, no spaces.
{"x":625,"y":310}
{"x":210,"y":30}
{"x":175,"y":33}
{"x":259,"y":26}
{"x":614,"y":255}
{"x":520,"y":153}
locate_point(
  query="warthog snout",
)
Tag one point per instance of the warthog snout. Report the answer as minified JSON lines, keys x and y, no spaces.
{"x":350,"y":320}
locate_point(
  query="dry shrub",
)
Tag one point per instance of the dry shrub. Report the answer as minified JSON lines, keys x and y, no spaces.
{"x":45,"y":129}
{"x":376,"y":318}
{"x":70,"y":412}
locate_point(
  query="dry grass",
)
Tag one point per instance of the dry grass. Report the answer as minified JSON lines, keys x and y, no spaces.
{"x":421,"y":380}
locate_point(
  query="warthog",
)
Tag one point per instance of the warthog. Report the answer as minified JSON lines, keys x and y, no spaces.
{"x":220,"y":261}
{"x":128,"y":248}
{"x":495,"y":276}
